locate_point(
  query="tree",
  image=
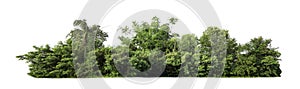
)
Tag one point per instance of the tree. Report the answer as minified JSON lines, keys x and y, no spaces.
{"x":214,"y":43}
{"x":148,"y":39}
{"x":58,"y":62}
{"x":213,"y":48}
{"x":258,"y":58}
{"x":85,"y":40}
{"x":190,"y":56}
{"x":47,"y":62}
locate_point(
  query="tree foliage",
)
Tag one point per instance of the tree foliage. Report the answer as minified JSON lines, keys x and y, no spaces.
{"x":257,"y":58}
{"x":47,"y":62}
{"x":153,"y":51}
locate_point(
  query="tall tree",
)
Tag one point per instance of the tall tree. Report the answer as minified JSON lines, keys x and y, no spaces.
{"x":190,"y":56}
{"x":85,"y":40}
{"x":217,"y":51}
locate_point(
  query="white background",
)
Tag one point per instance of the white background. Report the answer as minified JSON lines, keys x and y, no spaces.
{"x":25,"y":23}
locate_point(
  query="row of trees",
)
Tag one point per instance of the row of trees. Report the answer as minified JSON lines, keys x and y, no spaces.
{"x":153,"y":51}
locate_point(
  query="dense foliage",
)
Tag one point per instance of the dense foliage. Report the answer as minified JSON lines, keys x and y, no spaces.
{"x":153,"y":51}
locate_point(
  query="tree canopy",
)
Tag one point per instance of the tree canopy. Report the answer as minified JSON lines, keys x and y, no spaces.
{"x":153,"y":51}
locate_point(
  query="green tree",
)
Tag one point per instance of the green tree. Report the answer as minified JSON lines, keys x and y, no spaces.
{"x":47,"y":62}
{"x":258,"y":58}
{"x":86,"y":42}
{"x":58,"y":62}
{"x":148,"y":38}
{"x":217,"y":53}
{"x":190,"y":56}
